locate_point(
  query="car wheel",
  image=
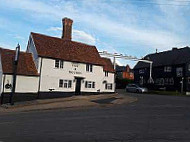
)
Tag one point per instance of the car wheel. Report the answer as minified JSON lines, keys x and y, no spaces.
{"x":137,"y":91}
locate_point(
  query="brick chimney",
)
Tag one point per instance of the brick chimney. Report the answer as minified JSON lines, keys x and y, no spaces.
{"x":67,"y":29}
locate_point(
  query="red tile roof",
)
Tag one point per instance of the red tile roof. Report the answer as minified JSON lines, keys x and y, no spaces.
{"x":67,"y":50}
{"x":108,"y":66}
{"x":58,"y":48}
{"x":26,"y":65}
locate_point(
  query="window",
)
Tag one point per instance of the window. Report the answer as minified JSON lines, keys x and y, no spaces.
{"x":108,"y":86}
{"x":61,"y":64}
{"x":141,"y":71}
{"x":89,"y":84}
{"x":60,"y":83}
{"x":141,"y":81}
{"x":171,"y":81}
{"x":89,"y":67}
{"x":179,"y":72}
{"x":106,"y":73}
{"x":188,"y":80}
{"x":93,"y":84}
{"x":167,"y":69}
{"x":160,"y":81}
{"x":189,"y":67}
{"x":56,"y":63}
{"x":65,"y":83}
{"x":166,"y":82}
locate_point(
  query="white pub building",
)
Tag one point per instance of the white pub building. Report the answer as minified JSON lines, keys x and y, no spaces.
{"x":57,"y":65}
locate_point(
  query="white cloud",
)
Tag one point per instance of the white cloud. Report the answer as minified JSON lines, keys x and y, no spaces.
{"x":19,"y":37}
{"x":78,"y":35}
{"x":84,"y":37}
{"x":54,"y":29}
{"x":5,"y":45}
{"x":121,"y":24}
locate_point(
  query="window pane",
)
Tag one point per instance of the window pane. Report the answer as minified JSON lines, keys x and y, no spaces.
{"x":93,"y":85}
{"x":106,"y":86}
{"x":65,"y":85}
{"x":87,"y":67}
{"x":60,"y":83}
{"x":61,"y":64}
{"x":57,"y":63}
{"x":89,"y":84}
{"x":111,"y":86}
{"x":86,"y":84}
{"x":90,"y":68}
{"x":70,"y":84}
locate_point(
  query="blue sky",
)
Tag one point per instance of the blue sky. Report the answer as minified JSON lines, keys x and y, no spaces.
{"x":131,"y":27}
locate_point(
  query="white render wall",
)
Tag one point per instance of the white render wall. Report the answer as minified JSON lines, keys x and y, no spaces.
{"x":32,"y":49}
{"x":24,"y":84}
{"x":1,"y":76}
{"x":50,"y":76}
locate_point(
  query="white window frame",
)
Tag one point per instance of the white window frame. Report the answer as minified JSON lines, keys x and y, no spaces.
{"x":56,"y":63}
{"x":89,"y":67}
{"x":90,"y":84}
{"x":179,"y":72}
{"x":59,"y":64}
{"x":108,"y":86}
{"x":60,"y":83}
{"x":106,"y":73}
{"x":141,"y":71}
{"x":167,"y":69}
{"x":65,"y":83}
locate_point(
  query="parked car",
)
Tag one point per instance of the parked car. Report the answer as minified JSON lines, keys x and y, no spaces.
{"x":135,"y":88}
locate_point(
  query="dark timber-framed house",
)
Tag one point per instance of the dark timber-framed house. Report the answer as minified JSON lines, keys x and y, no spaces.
{"x":171,"y":70}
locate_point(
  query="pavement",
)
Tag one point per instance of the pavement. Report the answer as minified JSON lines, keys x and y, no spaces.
{"x":68,"y":102}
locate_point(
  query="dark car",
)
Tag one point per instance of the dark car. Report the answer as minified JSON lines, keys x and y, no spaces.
{"x":135,"y":88}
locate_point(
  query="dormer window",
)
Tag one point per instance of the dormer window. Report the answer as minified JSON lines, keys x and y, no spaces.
{"x":89,"y":67}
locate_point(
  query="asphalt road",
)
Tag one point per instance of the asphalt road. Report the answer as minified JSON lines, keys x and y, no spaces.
{"x":154,"y":118}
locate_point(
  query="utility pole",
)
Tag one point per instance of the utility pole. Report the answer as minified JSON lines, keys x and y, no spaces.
{"x":182,"y":84}
{"x":114,"y":66}
{"x":15,"y":64}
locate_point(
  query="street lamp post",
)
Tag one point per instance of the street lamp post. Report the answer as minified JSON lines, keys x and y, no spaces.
{"x":15,"y":64}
